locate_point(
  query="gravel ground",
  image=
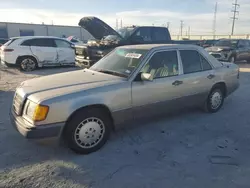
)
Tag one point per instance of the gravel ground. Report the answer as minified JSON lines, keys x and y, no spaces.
{"x":191,"y":149}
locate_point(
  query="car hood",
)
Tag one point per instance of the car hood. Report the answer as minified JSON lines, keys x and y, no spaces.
{"x":218,"y":48}
{"x":47,"y":87}
{"x":96,"y":27}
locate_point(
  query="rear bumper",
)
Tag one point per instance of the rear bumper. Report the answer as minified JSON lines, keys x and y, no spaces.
{"x":41,"y":132}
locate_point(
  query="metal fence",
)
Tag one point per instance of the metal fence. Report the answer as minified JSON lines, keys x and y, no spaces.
{"x":206,"y":37}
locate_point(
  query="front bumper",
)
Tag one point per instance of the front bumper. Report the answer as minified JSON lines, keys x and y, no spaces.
{"x":41,"y":132}
{"x":85,"y":63}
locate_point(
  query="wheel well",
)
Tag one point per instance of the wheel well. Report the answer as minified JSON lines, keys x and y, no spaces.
{"x":25,"y":56}
{"x":104,"y":108}
{"x":221,"y":85}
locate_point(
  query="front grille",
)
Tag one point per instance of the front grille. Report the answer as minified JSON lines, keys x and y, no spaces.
{"x":81,"y":52}
{"x":17,"y":104}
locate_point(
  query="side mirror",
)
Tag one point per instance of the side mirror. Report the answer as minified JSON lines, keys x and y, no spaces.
{"x":143,"y":77}
{"x":146,"y":77}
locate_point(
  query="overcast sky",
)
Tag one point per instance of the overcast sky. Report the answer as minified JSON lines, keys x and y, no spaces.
{"x":198,"y":14}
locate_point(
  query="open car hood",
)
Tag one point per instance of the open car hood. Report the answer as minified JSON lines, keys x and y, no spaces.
{"x":97,"y":28}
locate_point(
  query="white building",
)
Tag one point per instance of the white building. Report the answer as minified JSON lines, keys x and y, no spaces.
{"x":8,"y":30}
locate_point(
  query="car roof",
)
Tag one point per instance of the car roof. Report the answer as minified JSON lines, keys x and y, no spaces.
{"x":158,"y":46}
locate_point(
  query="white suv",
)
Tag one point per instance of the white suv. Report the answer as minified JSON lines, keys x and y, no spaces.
{"x":28,"y":53}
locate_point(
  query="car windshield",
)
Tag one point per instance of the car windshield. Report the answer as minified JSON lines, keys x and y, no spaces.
{"x":120,"y":62}
{"x":125,"y":32}
{"x":229,"y":43}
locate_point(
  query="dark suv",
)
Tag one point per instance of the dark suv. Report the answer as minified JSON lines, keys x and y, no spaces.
{"x":231,"y":50}
{"x":106,"y":39}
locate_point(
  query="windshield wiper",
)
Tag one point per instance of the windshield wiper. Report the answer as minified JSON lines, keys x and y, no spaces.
{"x":112,"y":73}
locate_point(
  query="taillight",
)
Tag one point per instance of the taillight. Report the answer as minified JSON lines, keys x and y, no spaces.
{"x":8,"y":50}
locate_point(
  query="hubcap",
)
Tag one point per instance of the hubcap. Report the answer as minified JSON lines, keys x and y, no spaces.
{"x":89,"y":132}
{"x":28,"y":64}
{"x":216,"y":100}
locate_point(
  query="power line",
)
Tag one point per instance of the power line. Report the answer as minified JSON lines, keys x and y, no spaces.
{"x":235,"y":11}
{"x":215,"y":17}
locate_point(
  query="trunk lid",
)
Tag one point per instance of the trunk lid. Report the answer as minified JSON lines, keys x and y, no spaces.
{"x":96,"y":27}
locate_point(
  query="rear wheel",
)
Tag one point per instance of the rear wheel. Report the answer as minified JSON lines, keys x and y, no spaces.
{"x":27,"y":63}
{"x":215,"y":100}
{"x":88,"y":130}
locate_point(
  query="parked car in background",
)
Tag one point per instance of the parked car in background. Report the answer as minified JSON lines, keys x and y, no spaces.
{"x":131,"y":82}
{"x":28,"y":53}
{"x":3,"y":41}
{"x":192,"y":42}
{"x":231,"y":50}
{"x":208,"y":43}
{"x":107,"y":39}
{"x":74,"y":40}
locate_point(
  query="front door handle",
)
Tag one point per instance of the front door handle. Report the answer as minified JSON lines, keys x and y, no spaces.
{"x":210,"y":76}
{"x":177,"y":82}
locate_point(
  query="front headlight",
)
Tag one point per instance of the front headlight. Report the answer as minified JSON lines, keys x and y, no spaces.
{"x":37,"y":112}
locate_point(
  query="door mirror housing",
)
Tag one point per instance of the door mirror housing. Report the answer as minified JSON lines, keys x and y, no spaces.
{"x":146,"y":77}
{"x":143,"y":77}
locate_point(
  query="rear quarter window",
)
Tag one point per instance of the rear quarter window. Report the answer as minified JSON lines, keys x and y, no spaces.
{"x":9,"y":42}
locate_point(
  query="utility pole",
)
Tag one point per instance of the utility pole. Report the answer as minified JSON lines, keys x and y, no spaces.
{"x":116,"y":24}
{"x":235,"y":11}
{"x":189,"y":32}
{"x":181,"y":26}
{"x":168,"y":24}
{"x":121,"y":23}
{"x":214,"y":22}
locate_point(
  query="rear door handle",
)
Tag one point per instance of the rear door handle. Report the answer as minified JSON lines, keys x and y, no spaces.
{"x":210,"y":76}
{"x":177,"y":82}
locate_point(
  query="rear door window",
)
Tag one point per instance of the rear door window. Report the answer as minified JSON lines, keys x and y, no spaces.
{"x":62,"y":44}
{"x":193,"y":61}
{"x":160,"y":34}
{"x":42,"y":42}
{"x":205,"y":64}
{"x":144,"y":33}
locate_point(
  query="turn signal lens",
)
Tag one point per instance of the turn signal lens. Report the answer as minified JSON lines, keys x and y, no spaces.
{"x":40,"y":113}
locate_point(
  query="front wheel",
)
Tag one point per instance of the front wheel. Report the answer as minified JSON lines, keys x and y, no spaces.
{"x":88,"y":130}
{"x":214,"y":101}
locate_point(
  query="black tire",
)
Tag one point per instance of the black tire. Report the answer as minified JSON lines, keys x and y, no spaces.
{"x":27,"y":63}
{"x":232,"y":59}
{"x":209,"y":106}
{"x":75,"y":124}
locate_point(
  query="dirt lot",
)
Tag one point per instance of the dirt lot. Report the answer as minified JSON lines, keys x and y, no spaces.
{"x":193,"y":149}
